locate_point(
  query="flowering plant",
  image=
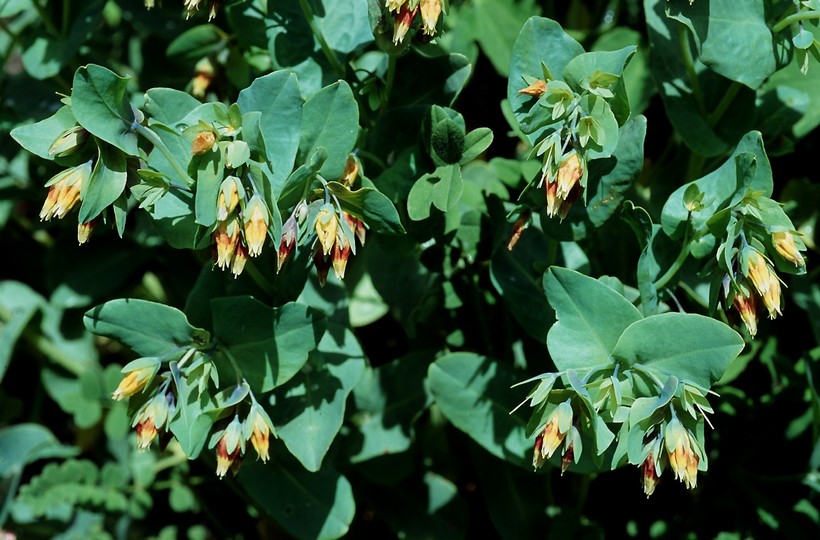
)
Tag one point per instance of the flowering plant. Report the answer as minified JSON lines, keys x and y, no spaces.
{"x":309,"y":268}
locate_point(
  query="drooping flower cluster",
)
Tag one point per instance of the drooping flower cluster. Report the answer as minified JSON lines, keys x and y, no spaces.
{"x":158,"y":411}
{"x":658,"y":434}
{"x":765,"y":241}
{"x":405,"y":12}
{"x":242,"y":224}
{"x":192,"y":7}
{"x":336,"y":230}
{"x":230,"y":442}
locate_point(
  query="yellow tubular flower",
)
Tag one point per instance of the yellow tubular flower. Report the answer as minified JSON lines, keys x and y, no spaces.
{"x":64,"y":191}
{"x":682,"y":459}
{"x":783,"y":243}
{"x":759,"y":272}
{"x":772,"y":297}
{"x":747,"y":307}
{"x":256,"y":225}
{"x":430,"y":12}
{"x":260,"y":438}
{"x":404,"y":18}
{"x":326,"y":226}
{"x":133,"y":382}
{"x":341,"y":253}
{"x":568,"y":175}
{"x":226,"y":238}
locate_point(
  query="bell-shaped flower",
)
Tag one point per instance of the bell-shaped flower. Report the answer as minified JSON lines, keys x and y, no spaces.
{"x":152,"y":417}
{"x":137,"y":376}
{"x":256,"y":225}
{"x":326,"y":226}
{"x":783,"y":242}
{"x":64,"y":191}
{"x":229,"y":447}
{"x":681,"y":449}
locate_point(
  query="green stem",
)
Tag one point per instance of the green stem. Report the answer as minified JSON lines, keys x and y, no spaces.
{"x":686,"y":52}
{"x":66,"y":6}
{"x":259,"y":279}
{"x":331,"y":56}
{"x":795,"y":18}
{"x":154,"y":139}
{"x":670,"y":273}
{"x":46,"y":347}
{"x":725,"y":101}
{"x":391,"y":78}
{"x":46,"y":19}
{"x":237,"y":371}
{"x":12,"y":491}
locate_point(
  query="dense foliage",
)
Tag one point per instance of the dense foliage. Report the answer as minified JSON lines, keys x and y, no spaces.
{"x":409,"y":268}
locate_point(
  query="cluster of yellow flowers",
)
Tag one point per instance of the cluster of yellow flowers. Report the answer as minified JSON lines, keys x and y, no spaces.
{"x":405,"y":12}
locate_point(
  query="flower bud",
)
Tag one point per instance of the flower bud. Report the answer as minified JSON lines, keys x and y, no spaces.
{"x":137,"y":378}
{"x":151,"y":417}
{"x":230,"y":192}
{"x":69,"y":142}
{"x":258,"y":429}
{"x":679,"y":448}
{"x":203,"y":142}
{"x":535,"y":90}
{"x":351,"y":171}
{"x":240,"y":257}
{"x":290,"y":231}
{"x":226,"y":238}
{"x":229,"y":447}
{"x":341,"y":253}
{"x":747,"y":307}
{"x":404,"y":18}
{"x":84,"y":230}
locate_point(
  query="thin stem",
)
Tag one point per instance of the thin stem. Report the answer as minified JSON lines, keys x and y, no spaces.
{"x":795,"y":18}
{"x":66,"y":7}
{"x":45,"y":18}
{"x":259,"y":279}
{"x":46,"y":347}
{"x":331,"y":56}
{"x":686,"y":52}
{"x":391,"y":78}
{"x":670,"y":273}
{"x":234,"y":364}
{"x":10,"y":493}
{"x":723,"y":106}
{"x":154,"y":139}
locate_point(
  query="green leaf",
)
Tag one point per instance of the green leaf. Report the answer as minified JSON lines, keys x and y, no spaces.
{"x":607,"y":132}
{"x":474,"y":393}
{"x":168,"y":106}
{"x":308,"y":410}
{"x":37,"y":138}
{"x":518,"y":276}
{"x":210,"y":171}
{"x":100,"y":103}
{"x":611,"y":178}
{"x":441,"y":188}
{"x":330,"y":119}
{"x":310,"y":506}
{"x":540,"y":41}
{"x":690,"y":110}
{"x":369,"y":205}
{"x":20,"y":302}
{"x":190,"y":425}
{"x":22,"y":444}
{"x":719,"y":187}
{"x":732,"y":37}
{"x":495,"y":24}
{"x":270,"y":344}
{"x":106,"y":183}
{"x":388,"y":400}
{"x":195,"y":43}
{"x":277,"y":97}
{"x":475,"y":142}
{"x":174,"y":217}
{"x":690,"y":347}
{"x":148,"y":328}
{"x":591,"y":319}
{"x":584,"y":66}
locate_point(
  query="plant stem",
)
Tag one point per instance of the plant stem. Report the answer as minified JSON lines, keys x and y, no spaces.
{"x":388,"y":83}
{"x":66,"y":7}
{"x":154,"y":139}
{"x":10,"y":493}
{"x":46,"y":347}
{"x":670,"y":273}
{"x":331,"y":56}
{"x":725,"y":101}
{"x":46,"y":19}
{"x":686,"y":52}
{"x":795,"y":18}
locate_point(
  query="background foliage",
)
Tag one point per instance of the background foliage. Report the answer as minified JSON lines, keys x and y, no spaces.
{"x":389,"y":392}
